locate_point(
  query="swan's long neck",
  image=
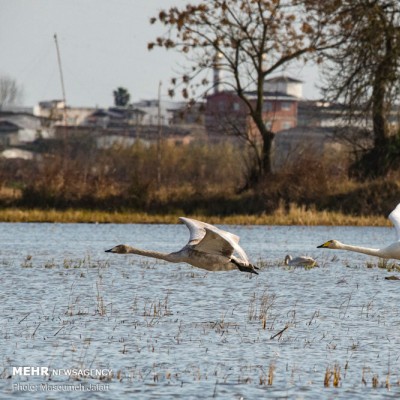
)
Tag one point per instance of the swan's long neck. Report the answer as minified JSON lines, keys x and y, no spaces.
{"x":170,"y":257}
{"x":358,"y":249}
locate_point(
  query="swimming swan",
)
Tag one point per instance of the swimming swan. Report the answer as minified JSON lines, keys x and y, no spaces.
{"x":301,"y":261}
{"x":391,"y":251}
{"x":208,"y":248}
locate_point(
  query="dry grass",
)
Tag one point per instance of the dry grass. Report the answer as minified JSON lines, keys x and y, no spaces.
{"x":198,"y":180}
{"x":333,"y":374}
{"x":295,"y":216}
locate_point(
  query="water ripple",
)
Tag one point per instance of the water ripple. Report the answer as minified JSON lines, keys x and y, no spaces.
{"x":175,"y":331}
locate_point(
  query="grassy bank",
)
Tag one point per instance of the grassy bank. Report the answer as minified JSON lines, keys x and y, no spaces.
{"x":295,"y":216}
{"x":80,"y":183}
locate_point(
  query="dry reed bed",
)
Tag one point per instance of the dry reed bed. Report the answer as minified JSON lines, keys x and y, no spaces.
{"x":295,"y":216}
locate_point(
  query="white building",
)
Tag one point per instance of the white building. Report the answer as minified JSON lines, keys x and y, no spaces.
{"x":60,"y":114}
{"x":157,"y":112}
{"x":284,"y":84}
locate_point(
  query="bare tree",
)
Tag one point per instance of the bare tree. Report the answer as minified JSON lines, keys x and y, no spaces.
{"x":252,"y":39}
{"x":363,"y":71}
{"x":10,"y":91}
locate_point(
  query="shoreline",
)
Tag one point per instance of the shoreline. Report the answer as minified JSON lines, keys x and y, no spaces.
{"x":295,"y":216}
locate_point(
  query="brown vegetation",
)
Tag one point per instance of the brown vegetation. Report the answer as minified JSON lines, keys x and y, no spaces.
{"x":199,"y":179}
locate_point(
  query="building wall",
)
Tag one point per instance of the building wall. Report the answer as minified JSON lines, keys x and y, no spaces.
{"x":226,"y":112}
{"x":55,"y":110}
{"x":9,"y":139}
{"x":308,"y":143}
{"x":286,"y":85}
{"x":280,"y":114}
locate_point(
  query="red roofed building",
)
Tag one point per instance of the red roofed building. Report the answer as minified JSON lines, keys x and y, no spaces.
{"x":227,"y":114}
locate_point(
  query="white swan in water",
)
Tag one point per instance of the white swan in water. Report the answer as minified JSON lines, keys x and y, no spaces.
{"x":391,"y":251}
{"x":301,"y":261}
{"x":208,"y":248}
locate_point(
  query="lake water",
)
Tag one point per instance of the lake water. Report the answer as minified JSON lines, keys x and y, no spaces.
{"x":174,"y":331}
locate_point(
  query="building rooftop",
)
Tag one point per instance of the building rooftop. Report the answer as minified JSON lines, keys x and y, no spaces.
{"x":283,"y":79}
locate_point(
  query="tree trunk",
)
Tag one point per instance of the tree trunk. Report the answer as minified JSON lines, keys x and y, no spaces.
{"x":267,"y":139}
{"x":378,"y":111}
{"x":377,"y":161}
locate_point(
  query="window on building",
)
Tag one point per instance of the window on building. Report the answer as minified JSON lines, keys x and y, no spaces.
{"x":267,"y":106}
{"x":286,"y":125}
{"x":236,"y":106}
{"x":286,"y":105}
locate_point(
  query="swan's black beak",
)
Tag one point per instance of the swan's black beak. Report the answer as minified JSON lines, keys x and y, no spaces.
{"x":108,"y":251}
{"x":326,"y":245}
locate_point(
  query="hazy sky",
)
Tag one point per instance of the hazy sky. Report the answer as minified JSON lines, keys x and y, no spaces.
{"x":103,"y":45}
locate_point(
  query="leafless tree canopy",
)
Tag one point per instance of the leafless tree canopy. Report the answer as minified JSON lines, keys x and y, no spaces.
{"x":364,"y":70}
{"x":10,"y":92}
{"x":249,"y":39}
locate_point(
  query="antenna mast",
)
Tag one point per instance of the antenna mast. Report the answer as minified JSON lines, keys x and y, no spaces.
{"x":62,"y":79}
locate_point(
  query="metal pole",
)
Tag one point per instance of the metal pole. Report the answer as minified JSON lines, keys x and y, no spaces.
{"x":159,"y":136}
{"x":62,"y":79}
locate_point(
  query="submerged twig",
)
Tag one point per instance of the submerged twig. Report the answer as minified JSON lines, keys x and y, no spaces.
{"x":280,"y":332}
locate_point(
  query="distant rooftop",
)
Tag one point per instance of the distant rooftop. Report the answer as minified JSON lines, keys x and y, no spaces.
{"x":283,"y":79}
{"x":276,"y":95}
{"x":268,"y":95}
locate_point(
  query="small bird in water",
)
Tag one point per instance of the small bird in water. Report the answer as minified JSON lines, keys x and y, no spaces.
{"x":209,"y":248}
{"x":391,"y":251}
{"x":301,"y":261}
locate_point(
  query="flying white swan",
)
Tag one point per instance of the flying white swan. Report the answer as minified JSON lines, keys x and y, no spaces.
{"x":391,"y":251}
{"x":301,"y":261}
{"x":208,"y":248}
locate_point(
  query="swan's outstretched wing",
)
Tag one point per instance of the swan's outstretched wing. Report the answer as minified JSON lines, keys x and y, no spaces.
{"x":238,"y":249}
{"x":214,"y":243}
{"x":198,"y":230}
{"x":394,"y":216}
